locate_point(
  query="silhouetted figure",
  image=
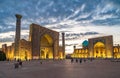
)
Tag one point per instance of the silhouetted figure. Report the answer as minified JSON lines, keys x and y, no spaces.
{"x":80,"y":60}
{"x":18,"y":60}
{"x":72,"y":60}
{"x":84,"y":60}
{"x":20,"y":63}
{"x":16,"y":65}
{"x":41,"y":62}
{"x":76,"y":60}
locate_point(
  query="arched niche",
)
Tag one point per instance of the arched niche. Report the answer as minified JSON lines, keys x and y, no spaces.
{"x":99,"y":50}
{"x":46,"y":47}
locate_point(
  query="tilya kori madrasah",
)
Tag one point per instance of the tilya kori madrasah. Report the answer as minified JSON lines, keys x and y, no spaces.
{"x":43,"y":43}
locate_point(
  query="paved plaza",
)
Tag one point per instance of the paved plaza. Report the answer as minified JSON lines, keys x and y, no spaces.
{"x":61,"y":69}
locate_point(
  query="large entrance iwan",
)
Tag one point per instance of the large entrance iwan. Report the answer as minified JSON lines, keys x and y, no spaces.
{"x":99,"y":50}
{"x":46,"y":47}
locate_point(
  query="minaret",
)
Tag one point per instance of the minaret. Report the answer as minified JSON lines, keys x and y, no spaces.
{"x":17,"y":35}
{"x":63,"y":44}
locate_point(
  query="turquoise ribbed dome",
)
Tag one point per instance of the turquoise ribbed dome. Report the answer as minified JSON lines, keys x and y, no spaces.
{"x":85,"y":43}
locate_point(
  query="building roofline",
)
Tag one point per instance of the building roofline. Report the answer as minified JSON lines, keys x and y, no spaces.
{"x":37,"y":25}
{"x":101,"y":37}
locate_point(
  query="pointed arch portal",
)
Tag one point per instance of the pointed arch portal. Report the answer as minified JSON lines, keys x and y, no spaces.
{"x":46,"y":47}
{"x":99,"y":50}
{"x":44,"y":42}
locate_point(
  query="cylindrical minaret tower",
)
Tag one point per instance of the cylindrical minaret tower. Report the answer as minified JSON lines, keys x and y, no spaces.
{"x":17,"y":35}
{"x":63,"y":44}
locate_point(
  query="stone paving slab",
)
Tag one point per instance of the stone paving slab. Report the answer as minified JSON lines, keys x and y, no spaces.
{"x":61,"y":69}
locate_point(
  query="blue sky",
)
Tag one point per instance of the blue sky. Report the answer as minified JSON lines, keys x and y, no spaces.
{"x":74,"y":17}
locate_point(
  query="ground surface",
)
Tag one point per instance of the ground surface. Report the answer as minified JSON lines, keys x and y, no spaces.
{"x":61,"y":69}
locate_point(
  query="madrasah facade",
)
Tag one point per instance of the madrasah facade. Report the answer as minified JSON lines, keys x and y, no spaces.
{"x":99,"y":47}
{"x":43,"y":43}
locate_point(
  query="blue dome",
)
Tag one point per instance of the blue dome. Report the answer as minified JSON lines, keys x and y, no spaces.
{"x":85,"y":43}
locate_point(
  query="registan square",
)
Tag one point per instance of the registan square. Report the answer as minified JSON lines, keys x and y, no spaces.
{"x":44,"y":55}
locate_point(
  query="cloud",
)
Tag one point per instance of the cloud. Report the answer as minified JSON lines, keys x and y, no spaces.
{"x":76,"y":12}
{"x":9,"y":36}
{"x":104,"y":17}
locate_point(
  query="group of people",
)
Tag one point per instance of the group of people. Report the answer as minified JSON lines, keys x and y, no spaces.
{"x":18,"y":63}
{"x":80,"y":60}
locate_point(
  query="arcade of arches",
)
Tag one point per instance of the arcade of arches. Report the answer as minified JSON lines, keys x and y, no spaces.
{"x":117,"y":51}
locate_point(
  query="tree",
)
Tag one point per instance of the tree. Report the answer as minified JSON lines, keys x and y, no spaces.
{"x":2,"y":56}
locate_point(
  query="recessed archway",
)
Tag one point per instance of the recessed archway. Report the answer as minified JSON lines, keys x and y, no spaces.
{"x":46,"y":47}
{"x":116,"y":52}
{"x":99,"y":50}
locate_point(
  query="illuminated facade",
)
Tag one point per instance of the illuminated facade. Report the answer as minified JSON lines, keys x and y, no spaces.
{"x":116,"y":51}
{"x":43,"y":43}
{"x":9,"y":51}
{"x":80,"y":53}
{"x":25,"y":49}
{"x":100,"y":47}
